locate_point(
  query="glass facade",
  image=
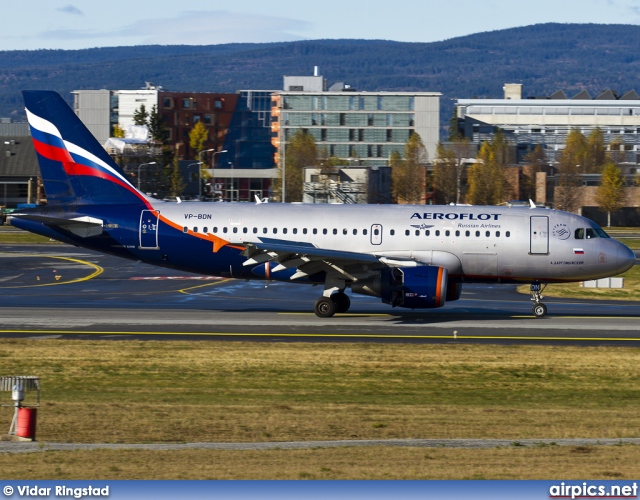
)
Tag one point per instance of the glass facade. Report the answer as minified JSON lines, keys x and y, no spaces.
{"x":362,"y":127}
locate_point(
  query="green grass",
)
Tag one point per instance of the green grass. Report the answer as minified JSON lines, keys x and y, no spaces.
{"x":12,"y":235}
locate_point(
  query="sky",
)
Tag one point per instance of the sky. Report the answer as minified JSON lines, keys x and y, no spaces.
{"x":78,"y":24}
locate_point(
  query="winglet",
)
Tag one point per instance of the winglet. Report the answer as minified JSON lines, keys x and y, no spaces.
{"x":531,"y":204}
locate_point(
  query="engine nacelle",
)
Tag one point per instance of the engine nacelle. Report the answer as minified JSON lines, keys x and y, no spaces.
{"x":421,"y":287}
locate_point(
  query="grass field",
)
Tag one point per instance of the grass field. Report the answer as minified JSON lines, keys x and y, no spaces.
{"x":134,"y":391}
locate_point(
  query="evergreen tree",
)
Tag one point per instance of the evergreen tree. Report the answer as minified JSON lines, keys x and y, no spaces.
{"x":157,"y":128}
{"x":610,"y":195}
{"x":140,"y":115}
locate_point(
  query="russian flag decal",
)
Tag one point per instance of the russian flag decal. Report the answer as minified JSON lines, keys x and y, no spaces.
{"x":578,"y":251}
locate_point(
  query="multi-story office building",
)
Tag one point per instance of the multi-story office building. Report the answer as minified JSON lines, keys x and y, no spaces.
{"x":548,"y":120}
{"x":363,"y":127}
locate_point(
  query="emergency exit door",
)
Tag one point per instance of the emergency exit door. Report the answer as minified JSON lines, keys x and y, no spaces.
{"x":149,"y":229}
{"x":539,"y":235}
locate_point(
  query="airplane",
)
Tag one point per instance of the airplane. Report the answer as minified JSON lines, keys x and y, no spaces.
{"x":411,"y":256}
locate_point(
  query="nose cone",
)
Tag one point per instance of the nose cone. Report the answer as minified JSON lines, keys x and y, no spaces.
{"x":625,"y":258}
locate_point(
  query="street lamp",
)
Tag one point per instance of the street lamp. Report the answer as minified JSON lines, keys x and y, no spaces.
{"x":213,"y":179}
{"x":201,"y":163}
{"x":142,"y":164}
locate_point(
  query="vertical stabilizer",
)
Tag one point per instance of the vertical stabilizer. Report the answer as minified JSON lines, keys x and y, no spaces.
{"x":75,"y":168}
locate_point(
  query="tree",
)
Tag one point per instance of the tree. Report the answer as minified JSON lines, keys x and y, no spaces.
{"x":300,"y":152}
{"x":117,"y":131}
{"x":176,"y":181}
{"x":610,"y":194}
{"x":140,"y":115}
{"x":595,"y":154}
{"x":197,"y":137}
{"x":408,"y":174}
{"x":567,"y":195}
{"x":487,"y":178}
{"x":449,"y":169}
{"x":536,"y":161}
{"x":157,"y":128}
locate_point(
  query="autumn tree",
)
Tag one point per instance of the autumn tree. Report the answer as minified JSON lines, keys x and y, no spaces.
{"x":487,"y":178}
{"x":197,"y":137}
{"x":536,"y":160}
{"x":300,"y":152}
{"x":117,"y":131}
{"x":177,"y":184}
{"x":408,"y":173}
{"x":449,"y":169}
{"x":610,"y":194}
{"x":595,"y":154}
{"x":567,"y":195}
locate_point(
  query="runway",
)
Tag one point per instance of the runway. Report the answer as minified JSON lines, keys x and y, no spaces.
{"x":61,"y":291}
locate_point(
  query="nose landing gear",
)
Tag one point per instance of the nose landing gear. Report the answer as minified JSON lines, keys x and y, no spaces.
{"x":539,"y":309}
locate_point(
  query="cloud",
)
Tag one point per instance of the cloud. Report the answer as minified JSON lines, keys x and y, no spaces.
{"x":193,"y":28}
{"x":71,"y":9}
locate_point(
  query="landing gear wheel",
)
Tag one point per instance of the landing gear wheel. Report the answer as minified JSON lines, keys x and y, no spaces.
{"x":539,"y":310}
{"x":325,"y":307}
{"x":342,"y":302}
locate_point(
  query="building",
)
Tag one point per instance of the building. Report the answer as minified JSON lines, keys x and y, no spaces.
{"x":19,"y":171}
{"x":361,"y":127}
{"x":548,"y":120}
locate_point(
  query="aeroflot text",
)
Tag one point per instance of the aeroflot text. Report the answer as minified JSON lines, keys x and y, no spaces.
{"x":454,"y":216}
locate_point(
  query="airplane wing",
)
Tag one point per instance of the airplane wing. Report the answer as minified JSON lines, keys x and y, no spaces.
{"x":309,"y":259}
{"x":80,"y":226}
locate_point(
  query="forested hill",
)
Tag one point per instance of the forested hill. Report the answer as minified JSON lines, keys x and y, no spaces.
{"x":544,"y":58}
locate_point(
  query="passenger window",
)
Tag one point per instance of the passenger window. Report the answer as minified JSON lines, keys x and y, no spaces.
{"x":204,"y":229}
{"x":392,"y":232}
{"x":497,"y":234}
{"x":457,"y":233}
{"x":487,"y":234}
{"x":275,"y":230}
{"x":224,"y":229}
{"x":427,"y":233}
{"x":467,"y":233}
{"x":185,"y":229}
{"x":255,"y":230}
{"x":324,"y":231}
{"x":315,"y":231}
{"x":477,"y":234}
{"x":507,"y":234}
{"x":355,"y":232}
{"x":304,"y":230}
{"x":447,"y":233}
{"x":344,"y":231}
{"x":417,"y":232}
{"x":376,"y":232}
{"x":264,"y":230}
{"x":245,"y":230}
{"x":195,"y":229}
{"x":235,"y":229}
{"x":437,"y":232}
{"x":295,"y":230}
{"x":335,"y":231}
{"x":364,"y":231}
{"x":407,"y":232}
{"x":284,"y":230}
{"x":579,"y":234}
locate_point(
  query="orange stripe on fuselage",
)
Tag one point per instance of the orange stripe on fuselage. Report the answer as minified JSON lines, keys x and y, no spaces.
{"x":218,"y":243}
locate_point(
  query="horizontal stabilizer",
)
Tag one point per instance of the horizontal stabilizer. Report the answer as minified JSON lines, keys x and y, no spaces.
{"x":80,"y":226}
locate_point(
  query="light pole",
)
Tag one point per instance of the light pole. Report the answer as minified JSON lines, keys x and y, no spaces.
{"x":231,"y":197}
{"x":213,"y":177}
{"x":201,"y":163}
{"x":141,"y":165}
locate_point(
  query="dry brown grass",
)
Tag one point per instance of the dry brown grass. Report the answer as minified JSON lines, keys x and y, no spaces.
{"x":136,"y":391}
{"x":552,"y":462}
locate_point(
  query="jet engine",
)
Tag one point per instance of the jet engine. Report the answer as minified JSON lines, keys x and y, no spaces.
{"x":420,"y":287}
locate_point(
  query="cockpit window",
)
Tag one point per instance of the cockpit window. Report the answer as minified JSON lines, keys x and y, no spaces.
{"x":579,"y":233}
{"x":591,"y":233}
{"x":601,"y":232}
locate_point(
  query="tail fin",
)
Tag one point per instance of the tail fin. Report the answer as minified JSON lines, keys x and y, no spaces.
{"x":75,"y":168}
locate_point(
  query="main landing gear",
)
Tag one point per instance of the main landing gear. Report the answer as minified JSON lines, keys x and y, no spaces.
{"x":326,"y":307}
{"x":539,"y":309}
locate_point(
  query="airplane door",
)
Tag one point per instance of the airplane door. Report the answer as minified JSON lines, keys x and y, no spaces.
{"x":539,"y":235}
{"x":149,"y":230}
{"x":376,"y":234}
